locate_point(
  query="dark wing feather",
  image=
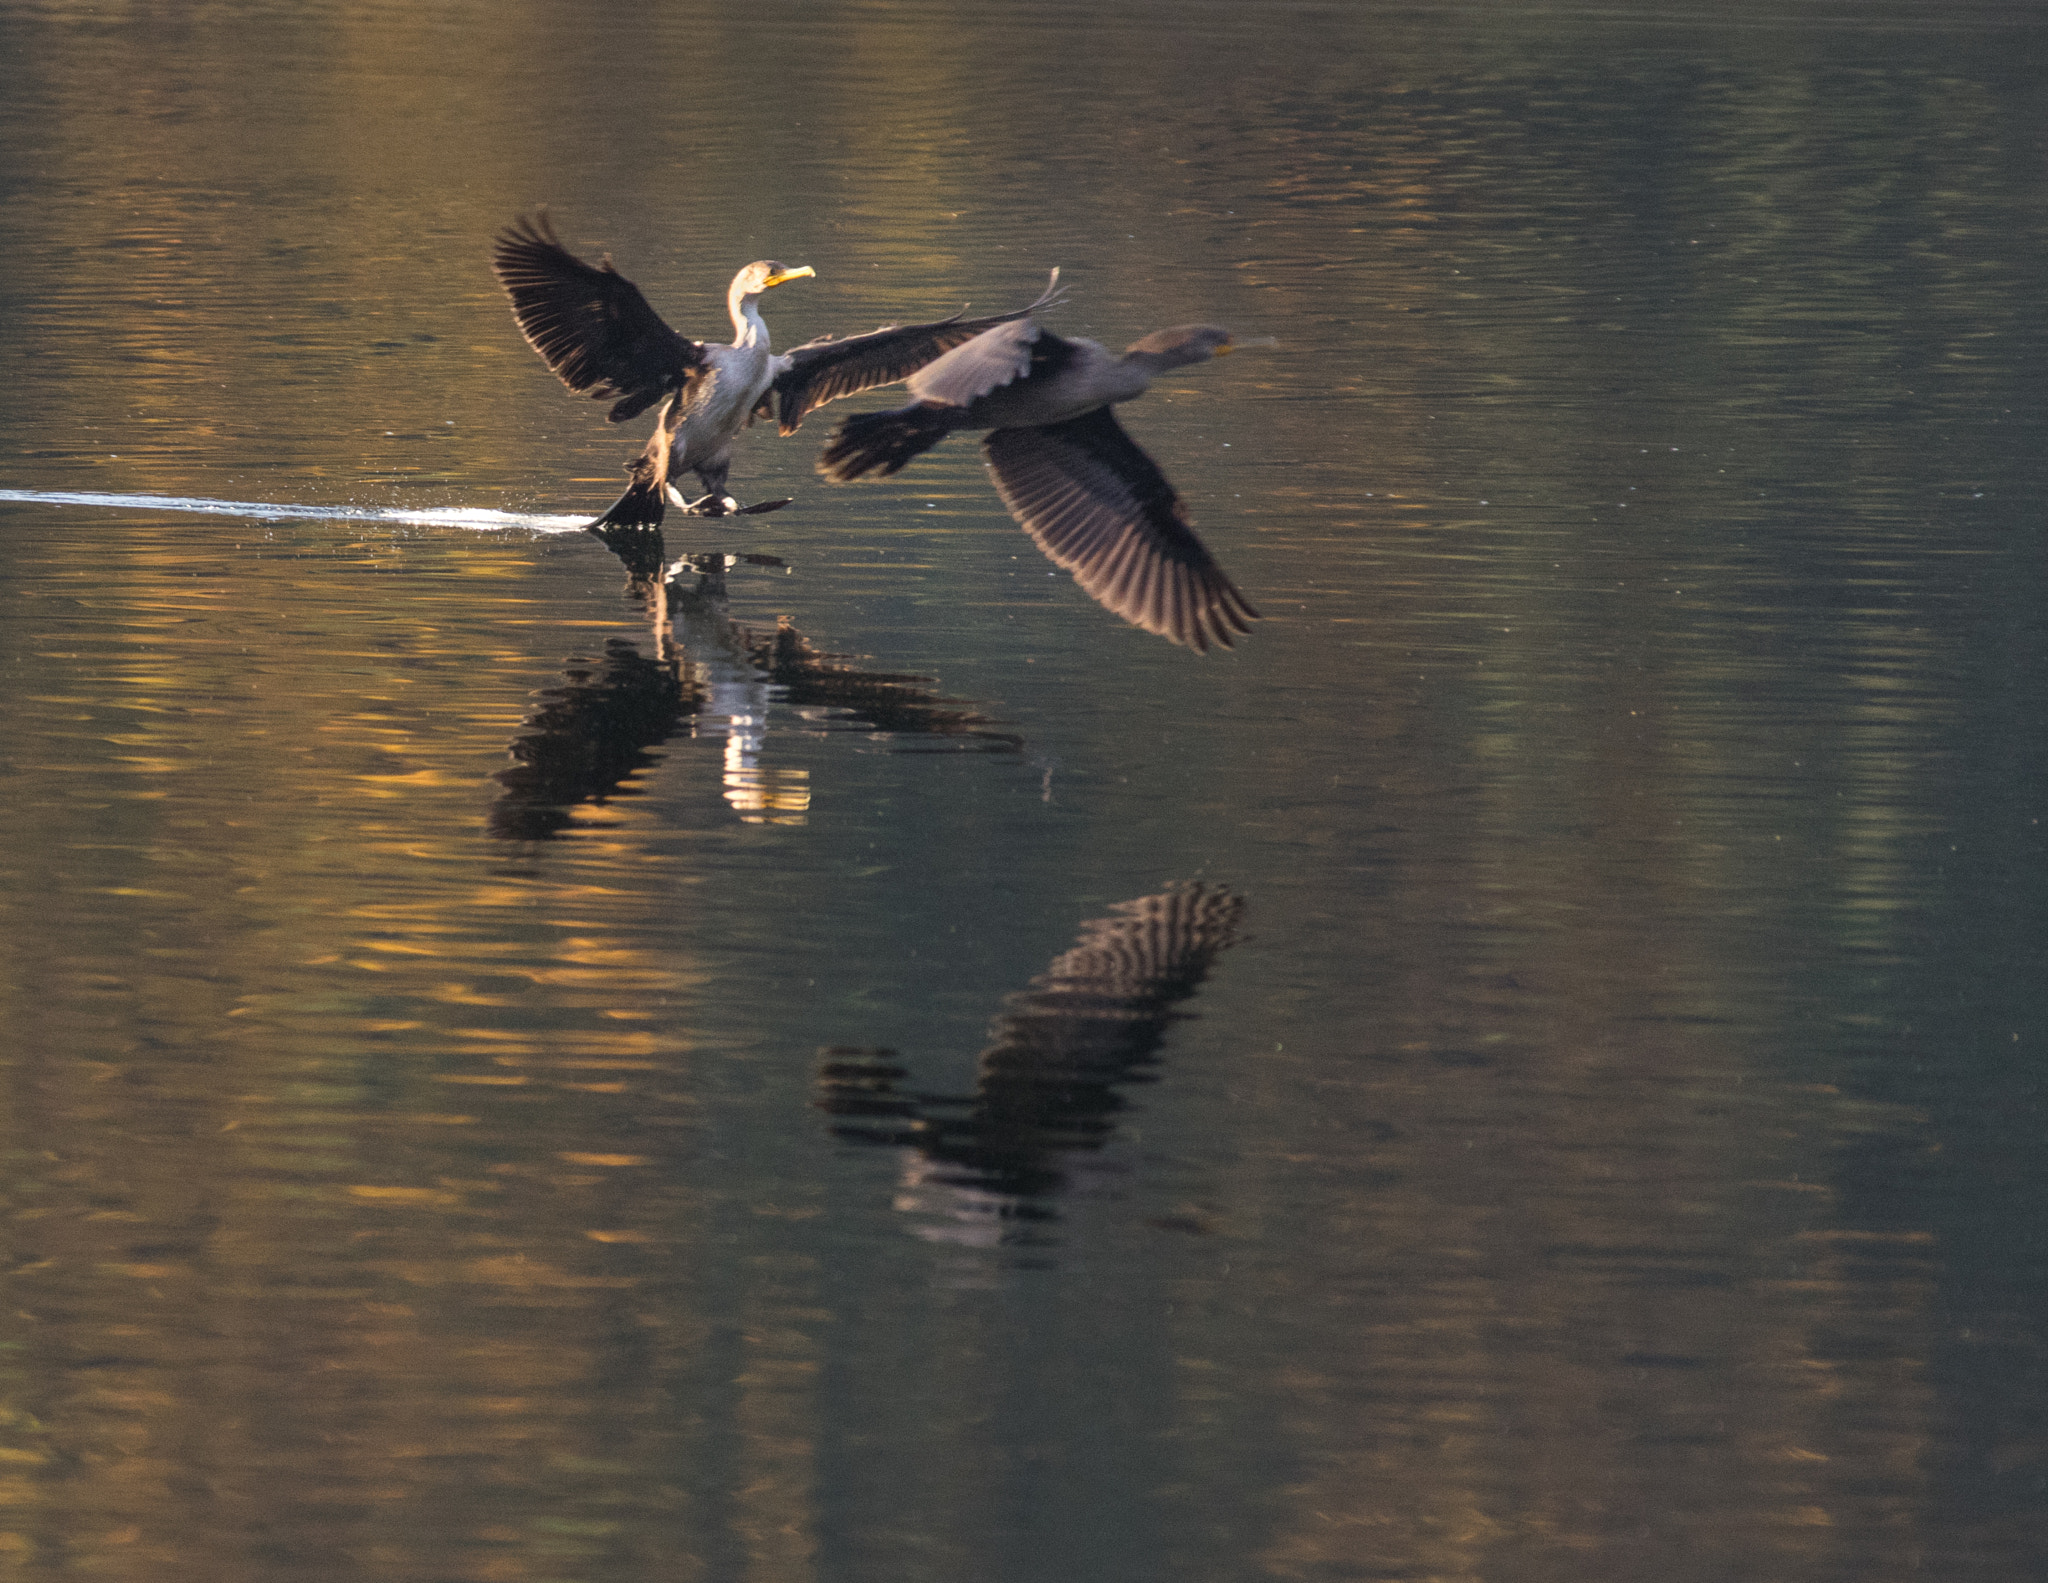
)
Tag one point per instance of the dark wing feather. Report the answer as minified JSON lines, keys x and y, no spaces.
{"x":1147,"y":952}
{"x":824,"y":370}
{"x":1100,"y":1010}
{"x":588,"y":322}
{"x":1100,"y":507}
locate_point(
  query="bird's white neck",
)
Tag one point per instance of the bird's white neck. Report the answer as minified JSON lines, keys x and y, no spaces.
{"x":746,"y":322}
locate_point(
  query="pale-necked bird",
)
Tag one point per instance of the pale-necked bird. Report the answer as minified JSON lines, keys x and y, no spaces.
{"x":597,"y":333}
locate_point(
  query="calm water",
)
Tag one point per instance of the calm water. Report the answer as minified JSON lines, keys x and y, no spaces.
{"x":862,"y":1067}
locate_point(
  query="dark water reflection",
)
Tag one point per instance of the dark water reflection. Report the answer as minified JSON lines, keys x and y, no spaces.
{"x":589,"y":735}
{"x":1046,"y":1089}
{"x":594,"y":731}
{"x":1612,"y":1147}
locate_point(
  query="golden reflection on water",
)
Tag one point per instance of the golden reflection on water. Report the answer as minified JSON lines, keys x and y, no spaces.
{"x":410,"y":1171}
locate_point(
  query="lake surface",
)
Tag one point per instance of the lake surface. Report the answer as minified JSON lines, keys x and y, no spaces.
{"x":858,"y":1065}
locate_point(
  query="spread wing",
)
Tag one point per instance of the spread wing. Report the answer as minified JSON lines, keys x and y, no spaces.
{"x":824,"y":370}
{"x":996,"y":358}
{"x":1100,"y":507}
{"x":588,"y":322}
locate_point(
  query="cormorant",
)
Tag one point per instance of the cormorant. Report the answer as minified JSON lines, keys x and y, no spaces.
{"x":1070,"y":475}
{"x":597,"y":333}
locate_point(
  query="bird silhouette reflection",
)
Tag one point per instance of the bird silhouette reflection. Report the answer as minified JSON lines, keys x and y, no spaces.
{"x":981,"y":1167}
{"x":590,"y":736}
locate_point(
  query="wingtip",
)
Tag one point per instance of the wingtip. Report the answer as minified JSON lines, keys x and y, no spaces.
{"x":530,"y":228}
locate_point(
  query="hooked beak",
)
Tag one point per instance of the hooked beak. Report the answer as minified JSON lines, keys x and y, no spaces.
{"x":788,"y":274}
{"x":1237,"y":346}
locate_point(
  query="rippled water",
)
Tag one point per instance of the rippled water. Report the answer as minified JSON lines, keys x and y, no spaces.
{"x":847,"y":1062}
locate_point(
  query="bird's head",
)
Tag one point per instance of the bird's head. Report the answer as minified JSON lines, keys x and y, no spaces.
{"x":1184,"y":344}
{"x":765,"y":275}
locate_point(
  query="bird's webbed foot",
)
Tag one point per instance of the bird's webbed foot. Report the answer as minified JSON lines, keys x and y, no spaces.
{"x":723,"y":505}
{"x":715,"y":503}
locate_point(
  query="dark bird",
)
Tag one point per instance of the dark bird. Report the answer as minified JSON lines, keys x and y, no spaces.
{"x":595,"y":330}
{"x":1071,"y":476}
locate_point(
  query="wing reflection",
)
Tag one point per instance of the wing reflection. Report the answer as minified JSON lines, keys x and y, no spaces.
{"x":832,"y":692}
{"x":981,"y":1166}
{"x":588,"y":736}
{"x":715,"y":679}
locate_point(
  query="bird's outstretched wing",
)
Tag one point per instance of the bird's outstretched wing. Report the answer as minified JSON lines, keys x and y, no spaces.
{"x":992,"y":360}
{"x":824,"y":370}
{"x":1100,"y":507}
{"x":588,"y":322}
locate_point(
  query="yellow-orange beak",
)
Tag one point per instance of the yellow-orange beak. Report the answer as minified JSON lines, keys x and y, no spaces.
{"x":788,"y":274}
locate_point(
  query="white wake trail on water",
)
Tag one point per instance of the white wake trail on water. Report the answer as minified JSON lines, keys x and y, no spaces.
{"x":266,"y":511}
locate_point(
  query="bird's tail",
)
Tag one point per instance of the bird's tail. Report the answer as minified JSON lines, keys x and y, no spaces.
{"x":642,"y":505}
{"x":883,"y":440}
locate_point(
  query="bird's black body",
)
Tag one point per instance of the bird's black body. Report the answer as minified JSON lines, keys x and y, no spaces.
{"x":1074,"y":480}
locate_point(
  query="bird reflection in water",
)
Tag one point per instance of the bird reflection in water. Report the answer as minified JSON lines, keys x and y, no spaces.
{"x":710,"y":677}
{"x":980,"y":1168}
{"x":588,"y":736}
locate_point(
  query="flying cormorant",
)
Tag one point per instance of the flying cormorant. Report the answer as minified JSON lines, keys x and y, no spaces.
{"x":1071,"y":476}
